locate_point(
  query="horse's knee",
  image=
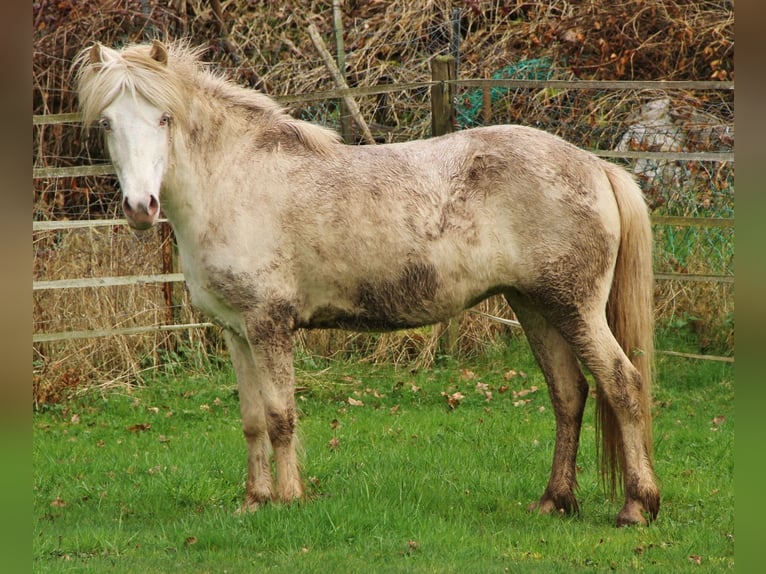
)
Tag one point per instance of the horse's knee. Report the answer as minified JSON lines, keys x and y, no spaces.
{"x":281,"y":426}
{"x":253,"y":423}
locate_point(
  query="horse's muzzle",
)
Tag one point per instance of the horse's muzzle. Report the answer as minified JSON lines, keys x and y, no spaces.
{"x":143,"y":214}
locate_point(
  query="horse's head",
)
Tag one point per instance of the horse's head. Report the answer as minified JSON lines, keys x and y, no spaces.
{"x":137,"y":134}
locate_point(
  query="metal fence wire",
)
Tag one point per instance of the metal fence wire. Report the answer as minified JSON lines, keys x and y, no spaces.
{"x":677,"y":142}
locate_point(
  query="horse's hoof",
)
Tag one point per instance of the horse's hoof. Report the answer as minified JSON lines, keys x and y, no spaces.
{"x":555,"y":505}
{"x":549,"y":506}
{"x":251,"y":504}
{"x":631,"y":515}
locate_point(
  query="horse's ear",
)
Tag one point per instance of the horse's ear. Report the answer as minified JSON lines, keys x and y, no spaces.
{"x":159,"y":52}
{"x":95,"y":56}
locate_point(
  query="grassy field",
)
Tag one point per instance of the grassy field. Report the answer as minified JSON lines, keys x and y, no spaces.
{"x":147,"y":480}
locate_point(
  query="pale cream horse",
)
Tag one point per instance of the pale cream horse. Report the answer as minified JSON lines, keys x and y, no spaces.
{"x":280,"y":227}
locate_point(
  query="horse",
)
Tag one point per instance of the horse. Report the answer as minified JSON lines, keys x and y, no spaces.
{"x":280,"y":226}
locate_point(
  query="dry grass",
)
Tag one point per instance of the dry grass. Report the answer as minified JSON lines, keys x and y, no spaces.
{"x":99,"y":252}
{"x":266,"y":46}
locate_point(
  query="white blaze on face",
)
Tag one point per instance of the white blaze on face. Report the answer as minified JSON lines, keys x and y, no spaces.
{"x":138,"y":139}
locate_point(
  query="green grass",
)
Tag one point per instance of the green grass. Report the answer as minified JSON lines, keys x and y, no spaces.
{"x":148,"y":480}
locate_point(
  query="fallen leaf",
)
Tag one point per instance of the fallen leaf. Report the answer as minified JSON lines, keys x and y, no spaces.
{"x":139,"y":427}
{"x":190,"y":540}
{"x":467,"y":375}
{"x":334,"y":443}
{"x":509,"y":375}
{"x":395,"y":409}
{"x":696,"y":559}
{"x":58,"y":503}
{"x":454,"y":399}
{"x":355,"y":403}
{"x":75,"y":420}
{"x":503,"y":389}
{"x":525,"y":392}
{"x":334,"y":424}
{"x":482,"y":387}
{"x":719,"y":420}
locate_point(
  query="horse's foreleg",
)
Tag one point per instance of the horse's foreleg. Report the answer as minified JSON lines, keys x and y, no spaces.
{"x":271,"y":344}
{"x":282,"y":421}
{"x":568,"y":392}
{"x":259,"y":487}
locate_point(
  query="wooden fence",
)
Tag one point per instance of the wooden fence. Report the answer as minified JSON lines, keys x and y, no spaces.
{"x":441,"y":87}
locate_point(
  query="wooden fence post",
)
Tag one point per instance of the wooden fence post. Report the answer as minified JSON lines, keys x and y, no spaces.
{"x":442,"y":95}
{"x":443,"y":122}
{"x":167,"y":248}
{"x":340,"y":50}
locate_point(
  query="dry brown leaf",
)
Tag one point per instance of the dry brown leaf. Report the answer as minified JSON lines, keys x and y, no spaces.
{"x":524,"y":392}
{"x":453,"y":400}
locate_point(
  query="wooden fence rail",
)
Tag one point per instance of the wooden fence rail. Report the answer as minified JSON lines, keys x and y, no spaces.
{"x":106,"y":169}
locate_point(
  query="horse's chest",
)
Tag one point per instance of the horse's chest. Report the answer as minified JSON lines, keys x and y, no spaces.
{"x":209,"y":298}
{"x":215,"y":308}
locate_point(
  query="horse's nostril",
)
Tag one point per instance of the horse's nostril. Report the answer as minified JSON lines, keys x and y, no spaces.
{"x":154,"y":205}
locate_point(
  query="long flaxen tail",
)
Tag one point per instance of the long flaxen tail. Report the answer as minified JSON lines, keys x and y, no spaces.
{"x":630,"y":314}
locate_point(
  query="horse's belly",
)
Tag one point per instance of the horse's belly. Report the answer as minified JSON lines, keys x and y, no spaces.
{"x":418,"y":296}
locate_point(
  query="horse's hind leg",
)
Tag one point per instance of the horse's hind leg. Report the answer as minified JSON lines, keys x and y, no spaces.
{"x":259,"y":484}
{"x":568,"y":391}
{"x":622,"y":385}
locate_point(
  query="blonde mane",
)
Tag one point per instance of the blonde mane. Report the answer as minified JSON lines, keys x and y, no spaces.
{"x":168,"y":85}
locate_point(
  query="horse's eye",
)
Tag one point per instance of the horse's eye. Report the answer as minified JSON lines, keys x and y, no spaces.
{"x":105,"y":124}
{"x":165,"y":120}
